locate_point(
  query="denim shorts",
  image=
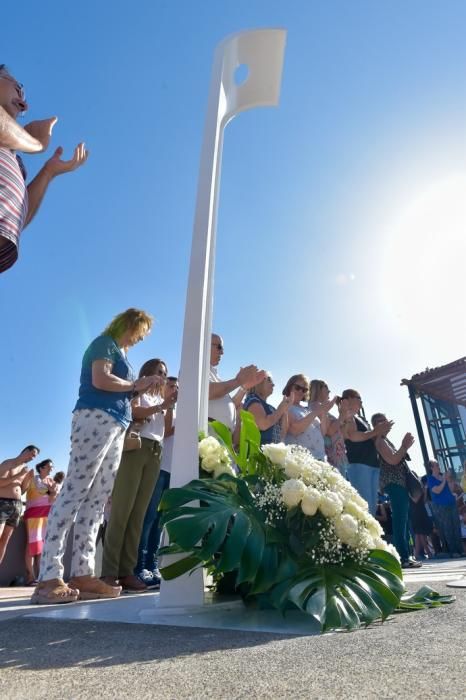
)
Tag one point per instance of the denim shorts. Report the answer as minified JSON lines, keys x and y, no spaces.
{"x":10,"y":511}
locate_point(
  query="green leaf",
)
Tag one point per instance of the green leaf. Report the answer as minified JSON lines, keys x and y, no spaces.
{"x":342,"y":597}
{"x":225,"y":531}
{"x":224,"y":434}
{"x":180,"y":567}
{"x":424,"y":597}
{"x":252,"y":554}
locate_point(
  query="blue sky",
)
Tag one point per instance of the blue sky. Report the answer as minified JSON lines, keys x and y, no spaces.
{"x":341,"y":240}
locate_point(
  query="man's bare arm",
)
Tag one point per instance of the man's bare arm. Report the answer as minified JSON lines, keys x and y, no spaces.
{"x":13,"y":136}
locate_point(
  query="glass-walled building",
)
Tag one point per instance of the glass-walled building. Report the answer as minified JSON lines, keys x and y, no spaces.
{"x":442,"y":395}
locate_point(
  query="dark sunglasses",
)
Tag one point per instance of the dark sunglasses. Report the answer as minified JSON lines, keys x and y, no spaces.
{"x":299,"y":387}
{"x":219,"y":346}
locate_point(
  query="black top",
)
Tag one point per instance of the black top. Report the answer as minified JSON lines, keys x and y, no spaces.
{"x":362,"y":452}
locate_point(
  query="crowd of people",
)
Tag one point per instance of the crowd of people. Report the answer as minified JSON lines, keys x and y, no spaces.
{"x":123,"y":426}
{"x":120,"y":463}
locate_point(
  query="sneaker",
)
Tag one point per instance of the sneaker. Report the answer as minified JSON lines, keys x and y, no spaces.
{"x":132,"y":584}
{"x":146,"y":577}
{"x":411,"y":564}
{"x":92,"y":588}
{"x":157,"y":576}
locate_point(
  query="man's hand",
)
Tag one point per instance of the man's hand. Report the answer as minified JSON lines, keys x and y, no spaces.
{"x":41,"y":129}
{"x":250,"y":376}
{"x":56,"y":166}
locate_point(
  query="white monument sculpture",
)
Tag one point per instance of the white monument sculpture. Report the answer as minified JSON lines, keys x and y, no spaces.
{"x":258,"y":54}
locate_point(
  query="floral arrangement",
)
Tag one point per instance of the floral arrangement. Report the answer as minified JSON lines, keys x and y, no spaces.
{"x":290,"y":529}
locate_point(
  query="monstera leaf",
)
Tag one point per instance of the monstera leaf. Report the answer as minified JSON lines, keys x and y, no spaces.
{"x":344,"y":596}
{"x":216,"y":523}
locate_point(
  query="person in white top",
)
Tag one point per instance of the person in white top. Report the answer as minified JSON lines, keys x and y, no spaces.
{"x":306,"y":426}
{"x":134,"y":485}
{"x":223,"y":406}
{"x":147,"y":567}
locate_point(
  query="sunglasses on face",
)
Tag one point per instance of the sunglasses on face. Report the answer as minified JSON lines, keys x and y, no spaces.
{"x":219,"y":346}
{"x":298,"y":387}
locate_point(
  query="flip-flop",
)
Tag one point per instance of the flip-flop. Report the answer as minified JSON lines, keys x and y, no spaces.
{"x":61,"y":593}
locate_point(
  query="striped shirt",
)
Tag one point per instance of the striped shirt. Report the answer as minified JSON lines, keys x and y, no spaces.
{"x":13,"y":206}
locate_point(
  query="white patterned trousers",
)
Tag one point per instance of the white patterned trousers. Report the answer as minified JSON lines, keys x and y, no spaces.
{"x":96,"y":447}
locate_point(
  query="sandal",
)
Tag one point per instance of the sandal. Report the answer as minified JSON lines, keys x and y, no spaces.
{"x":53,"y":592}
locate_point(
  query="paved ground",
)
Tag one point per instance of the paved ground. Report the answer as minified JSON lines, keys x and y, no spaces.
{"x":420,"y":655}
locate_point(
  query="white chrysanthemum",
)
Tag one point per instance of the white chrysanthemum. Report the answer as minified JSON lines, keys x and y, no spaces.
{"x":277,"y":453}
{"x":330,"y":505}
{"x":346,"y":528}
{"x":310,"y":501}
{"x":292,"y":492}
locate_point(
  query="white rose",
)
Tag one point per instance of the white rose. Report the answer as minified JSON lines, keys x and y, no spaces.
{"x":359,"y":500}
{"x":293,"y":468}
{"x":330,"y":505}
{"x":346,"y":528}
{"x":277,"y":452}
{"x":355,"y":510}
{"x":379,"y":543}
{"x":208,"y":445}
{"x":334,"y":478}
{"x":223,"y":469}
{"x":311,"y":501}
{"x":209,"y":463}
{"x":309,"y":475}
{"x":373,"y":526}
{"x":292,"y":492}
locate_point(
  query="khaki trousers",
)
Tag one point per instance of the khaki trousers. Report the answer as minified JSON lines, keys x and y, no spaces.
{"x":134,"y":484}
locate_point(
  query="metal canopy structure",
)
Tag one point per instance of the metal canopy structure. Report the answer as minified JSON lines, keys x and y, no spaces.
{"x":442,"y":391}
{"x":447,"y":383}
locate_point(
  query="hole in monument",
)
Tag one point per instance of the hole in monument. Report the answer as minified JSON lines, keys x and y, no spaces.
{"x":241,"y":74}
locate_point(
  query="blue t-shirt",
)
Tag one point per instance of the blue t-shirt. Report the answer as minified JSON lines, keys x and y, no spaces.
{"x":445,"y":497}
{"x":272,"y":434}
{"x":115,"y":403}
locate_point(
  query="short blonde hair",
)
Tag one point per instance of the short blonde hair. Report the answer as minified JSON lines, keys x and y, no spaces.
{"x":133,"y":320}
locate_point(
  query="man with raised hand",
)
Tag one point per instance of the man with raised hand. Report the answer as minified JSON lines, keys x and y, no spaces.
{"x":223,"y":406}
{"x":18,"y":202}
{"x":15,"y":477}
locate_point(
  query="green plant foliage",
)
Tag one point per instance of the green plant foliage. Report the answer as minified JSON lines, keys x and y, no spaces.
{"x":226,"y":531}
{"x":219,"y":524}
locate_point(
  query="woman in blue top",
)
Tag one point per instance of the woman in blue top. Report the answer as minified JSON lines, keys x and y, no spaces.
{"x":101,"y":416}
{"x":444,"y":509}
{"x":272,"y":423}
